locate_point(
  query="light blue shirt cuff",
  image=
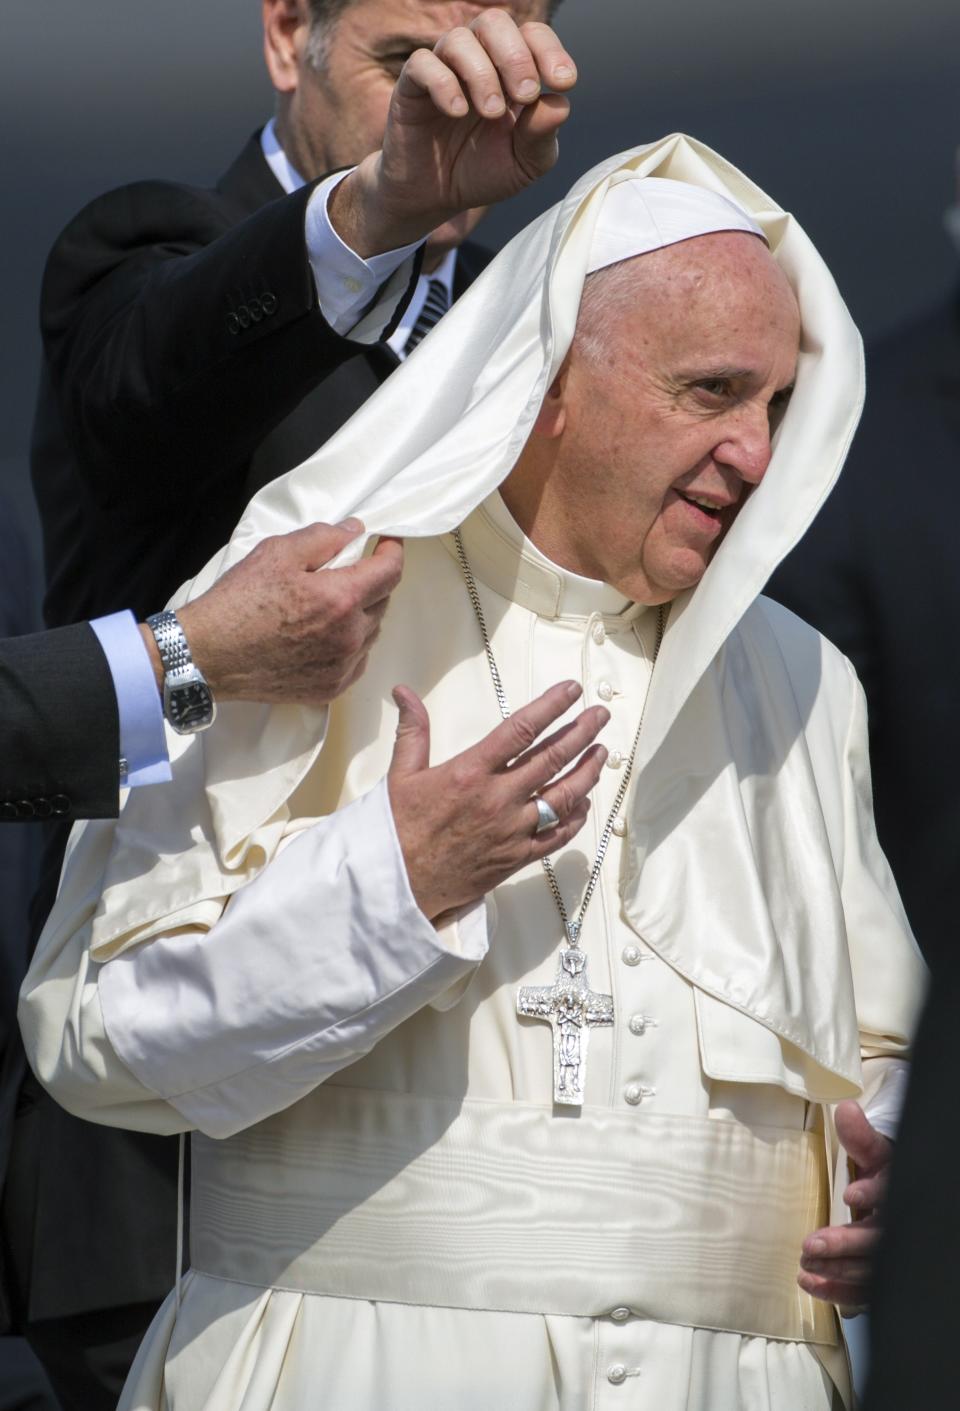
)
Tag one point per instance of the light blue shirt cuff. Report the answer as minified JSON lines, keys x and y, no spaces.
{"x":143,"y":741}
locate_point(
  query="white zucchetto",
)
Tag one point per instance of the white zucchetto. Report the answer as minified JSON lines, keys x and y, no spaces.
{"x":640,"y":216}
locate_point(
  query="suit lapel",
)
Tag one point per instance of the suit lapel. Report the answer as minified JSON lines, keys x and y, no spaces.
{"x":249,"y":183}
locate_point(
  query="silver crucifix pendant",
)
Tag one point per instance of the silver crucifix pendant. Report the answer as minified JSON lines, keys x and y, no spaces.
{"x":572,"y":1009}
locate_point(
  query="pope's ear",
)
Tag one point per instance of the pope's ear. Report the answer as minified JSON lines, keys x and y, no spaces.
{"x":552,"y":416}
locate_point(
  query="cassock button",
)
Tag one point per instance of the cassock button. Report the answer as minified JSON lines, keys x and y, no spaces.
{"x":619,"y":828}
{"x":617,"y":1373}
{"x":8,"y":812}
{"x":638,"y":1024}
{"x":43,"y":808}
{"x":630,"y":955}
{"x":243,"y":316}
{"x":268,"y":303}
{"x":25,"y":809}
{"x":605,"y":691}
{"x":620,"y":1315}
{"x":233,"y":323}
{"x":614,"y":759}
{"x":633,"y":1093}
{"x":599,"y":633}
{"x":60,"y":804}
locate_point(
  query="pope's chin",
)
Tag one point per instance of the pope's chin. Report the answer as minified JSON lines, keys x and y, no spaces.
{"x":661,"y":578}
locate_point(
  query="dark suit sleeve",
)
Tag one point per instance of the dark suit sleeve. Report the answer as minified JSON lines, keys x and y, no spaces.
{"x":178,"y":337}
{"x":61,"y":734}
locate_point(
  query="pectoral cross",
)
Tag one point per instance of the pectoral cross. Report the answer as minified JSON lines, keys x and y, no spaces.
{"x":572,"y":1009}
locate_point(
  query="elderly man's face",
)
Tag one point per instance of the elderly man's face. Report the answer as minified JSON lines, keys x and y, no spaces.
{"x":660,"y":424}
{"x":337,"y":113}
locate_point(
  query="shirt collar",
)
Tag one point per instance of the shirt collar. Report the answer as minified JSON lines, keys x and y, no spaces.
{"x":278,"y":161}
{"x":503,"y":558}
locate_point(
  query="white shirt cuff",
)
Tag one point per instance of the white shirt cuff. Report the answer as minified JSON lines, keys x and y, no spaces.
{"x":347,"y":284}
{"x":884,"y":1107}
{"x":143,"y":742}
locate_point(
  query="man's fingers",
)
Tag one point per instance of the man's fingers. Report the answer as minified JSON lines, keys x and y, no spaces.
{"x":847,"y":1295}
{"x":510,"y":54}
{"x":566,"y":794}
{"x":542,"y":844}
{"x":866,"y":1194}
{"x":867,"y":1149}
{"x":374,"y":578}
{"x":524,"y":727}
{"x":838,"y":1242}
{"x":535,"y":136}
{"x":411,"y":750}
{"x":463,"y":53}
{"x":317,"y":544}
{"x":554,"y":64}
{"x":548,"y":757}
{"x":426,"y":75}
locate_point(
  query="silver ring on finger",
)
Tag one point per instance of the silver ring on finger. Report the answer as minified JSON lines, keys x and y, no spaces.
{"x":547,"y":817}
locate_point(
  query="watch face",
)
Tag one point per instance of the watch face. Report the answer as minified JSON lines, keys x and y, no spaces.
{"x":190,"y":707}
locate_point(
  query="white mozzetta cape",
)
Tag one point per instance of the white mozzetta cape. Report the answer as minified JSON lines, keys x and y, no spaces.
{"x":750,"y":866}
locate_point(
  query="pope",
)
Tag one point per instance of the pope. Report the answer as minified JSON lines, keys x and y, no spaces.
{"x":580,"y":1086}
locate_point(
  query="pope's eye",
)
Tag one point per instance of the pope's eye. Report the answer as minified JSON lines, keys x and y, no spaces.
{"x":713,"y":386}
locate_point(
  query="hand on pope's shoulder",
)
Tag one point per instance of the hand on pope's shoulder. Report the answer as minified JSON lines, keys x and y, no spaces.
{"x":467,"y":825}
{"x":274,"y":629}
{"x":469,"y":124}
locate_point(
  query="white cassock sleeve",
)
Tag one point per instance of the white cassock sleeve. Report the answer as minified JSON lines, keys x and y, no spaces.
{"x":318,"y":958}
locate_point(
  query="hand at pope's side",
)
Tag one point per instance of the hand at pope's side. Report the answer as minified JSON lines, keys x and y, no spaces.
{"x":273,"y":629}
{"x":467,"y":825}
{"x":469,"y":125}
{"x":837,"y":1261}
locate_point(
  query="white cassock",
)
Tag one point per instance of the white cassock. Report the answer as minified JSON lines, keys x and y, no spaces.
{"x":388,"y":1212}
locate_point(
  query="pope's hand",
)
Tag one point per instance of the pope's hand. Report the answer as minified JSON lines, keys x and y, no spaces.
{"x":468,"y":825}
{"x":273,"y":629}
{"x":469,"y":124}
{"x":837,"y":1261}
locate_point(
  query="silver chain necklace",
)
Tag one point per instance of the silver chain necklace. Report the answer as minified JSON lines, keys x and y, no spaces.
{"x":569,"y":1005}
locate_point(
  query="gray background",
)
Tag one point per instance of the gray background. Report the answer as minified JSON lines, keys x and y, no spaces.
{"x":845,"y":110}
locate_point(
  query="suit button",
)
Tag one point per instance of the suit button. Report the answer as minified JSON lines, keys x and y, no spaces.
{"x":243,"y":315}
{"x":233,"y":323}
{"x":8,"y":812}
{"x":60,"y":804}
{"x":25,"y":809}
{"x":256,"y":310}
{"x":268,"y":303}
{"x":43,"y":808}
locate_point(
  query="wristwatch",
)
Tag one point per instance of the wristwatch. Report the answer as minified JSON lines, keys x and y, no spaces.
{"x":188,"y":702}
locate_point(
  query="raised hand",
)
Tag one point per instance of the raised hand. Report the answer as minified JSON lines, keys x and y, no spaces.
{"x":467,"y":825}
{"x":837,"y":1261}
{"x":469,"y":124}
{"x":273,"y":629}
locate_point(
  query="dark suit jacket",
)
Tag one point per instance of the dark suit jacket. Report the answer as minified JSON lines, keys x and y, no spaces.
{"x":58,"y":715}
{"x":185,"y":366}
{"x":878,"y":574}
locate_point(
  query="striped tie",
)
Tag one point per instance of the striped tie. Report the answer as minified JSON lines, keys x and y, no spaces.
{"x":435,"y":305}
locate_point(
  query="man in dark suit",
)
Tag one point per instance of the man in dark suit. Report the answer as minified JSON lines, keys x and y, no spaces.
{"x":880,"y":575}
{"x":196,"y":345}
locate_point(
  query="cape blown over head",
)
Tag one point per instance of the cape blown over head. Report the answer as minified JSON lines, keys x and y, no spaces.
{"x":430,"y":445}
